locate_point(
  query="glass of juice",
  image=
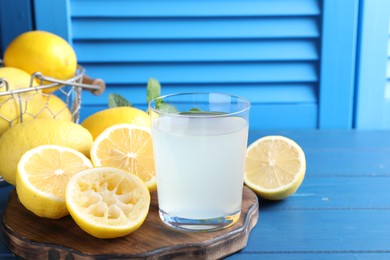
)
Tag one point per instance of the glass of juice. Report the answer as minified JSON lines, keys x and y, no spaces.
{"x":199,"y":142}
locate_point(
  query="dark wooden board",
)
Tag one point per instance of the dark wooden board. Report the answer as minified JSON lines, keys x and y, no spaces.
{"x":32,"y":237}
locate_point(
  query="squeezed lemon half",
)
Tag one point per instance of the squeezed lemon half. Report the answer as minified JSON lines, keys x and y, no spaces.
{"x":107,"y":202}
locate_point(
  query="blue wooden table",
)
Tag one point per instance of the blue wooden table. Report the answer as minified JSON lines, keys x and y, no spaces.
{"x":342,"y":209}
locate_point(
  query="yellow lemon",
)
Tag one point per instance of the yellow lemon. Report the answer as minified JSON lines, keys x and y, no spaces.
{"x":42,"y":175}
{"x":127,"y":147}
{"x":275,"y":167}
{"x":107,"y":202}
{"x":53,"y":107}
{"x":98,"y":122}
{"x":27,"y":103}
{"x":22,"y":137}
{"x":41,"y":51}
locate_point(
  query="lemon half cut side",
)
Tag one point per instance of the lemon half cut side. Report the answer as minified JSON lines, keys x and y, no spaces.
{"x":42,"y":175}
{"x":41,"y":131}
{"x":107,"y":202}
{"x":275,"y":167}
{"x":128,"y":147}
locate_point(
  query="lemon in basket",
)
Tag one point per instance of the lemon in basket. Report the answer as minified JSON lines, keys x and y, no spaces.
{"x":53,"y":107}
{"x":22,"y":137}
{"x":28,"y":103}
{"x":41,"y":51}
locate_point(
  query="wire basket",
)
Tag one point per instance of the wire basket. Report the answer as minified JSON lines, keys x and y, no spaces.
{"x":68,"y":91}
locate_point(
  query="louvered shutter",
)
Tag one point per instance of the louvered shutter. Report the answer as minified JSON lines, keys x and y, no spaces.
{"x":268,"y":51}
{"x":15,"y":18}
{"x":387,"y":89}
{"x":372,"y":76}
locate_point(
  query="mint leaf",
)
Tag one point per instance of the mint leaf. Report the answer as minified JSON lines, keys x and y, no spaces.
{"x":195,"y":110}
{"x":153,"y":89}
{"x":115,"y":100}
{"x":166,"y":108}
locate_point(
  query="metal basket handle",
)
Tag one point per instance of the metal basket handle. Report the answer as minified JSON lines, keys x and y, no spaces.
{"x":95,"y":86}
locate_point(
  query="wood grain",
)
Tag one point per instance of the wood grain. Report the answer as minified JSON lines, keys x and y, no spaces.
{"x":32,"y":237}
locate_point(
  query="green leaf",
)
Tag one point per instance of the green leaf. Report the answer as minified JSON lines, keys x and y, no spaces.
{"x":153,"y":89}
{"x":115,"y":100}
{"x":166,"y":108}
{"x":195,"y":109}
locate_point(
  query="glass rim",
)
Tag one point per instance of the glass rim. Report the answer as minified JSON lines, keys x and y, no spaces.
{"x":244,"y":101}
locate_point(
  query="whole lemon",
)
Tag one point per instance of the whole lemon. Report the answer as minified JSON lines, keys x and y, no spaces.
{"x":12,"y":105}
{"x":20,"y":138}
{"x":41,"y":51}
{"x":98,"y":122}
{"x":53,"y":107}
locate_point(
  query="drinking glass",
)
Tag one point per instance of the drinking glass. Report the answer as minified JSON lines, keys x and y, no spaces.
{"x":199,"y":142}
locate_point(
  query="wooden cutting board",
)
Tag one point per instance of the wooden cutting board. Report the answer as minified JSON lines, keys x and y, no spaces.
{"x":32,"y":237}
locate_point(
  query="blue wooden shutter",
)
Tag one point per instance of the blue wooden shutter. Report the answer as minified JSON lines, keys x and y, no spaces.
{"x":268,"y":51}
{"x":372,"y":96}
{"x":15,"y":18}
{"x":387,"y":90}
{"x":338,"y":59}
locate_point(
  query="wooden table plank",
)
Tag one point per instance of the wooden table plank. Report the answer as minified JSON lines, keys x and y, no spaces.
{"x":368,"y":162}
{"x":336,"y":193}
{"x":309,"y":256}
{"x":315,"y":231}
{"x":331,"y":139}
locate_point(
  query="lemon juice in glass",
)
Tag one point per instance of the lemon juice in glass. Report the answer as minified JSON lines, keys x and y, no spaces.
{"x":199,"y":142}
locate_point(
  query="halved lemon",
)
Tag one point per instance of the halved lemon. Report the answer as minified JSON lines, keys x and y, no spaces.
{"x":42,"y":175}
{"x":128,"y":147}
{"x":107,"y":202}
{"x":275,"y":167}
